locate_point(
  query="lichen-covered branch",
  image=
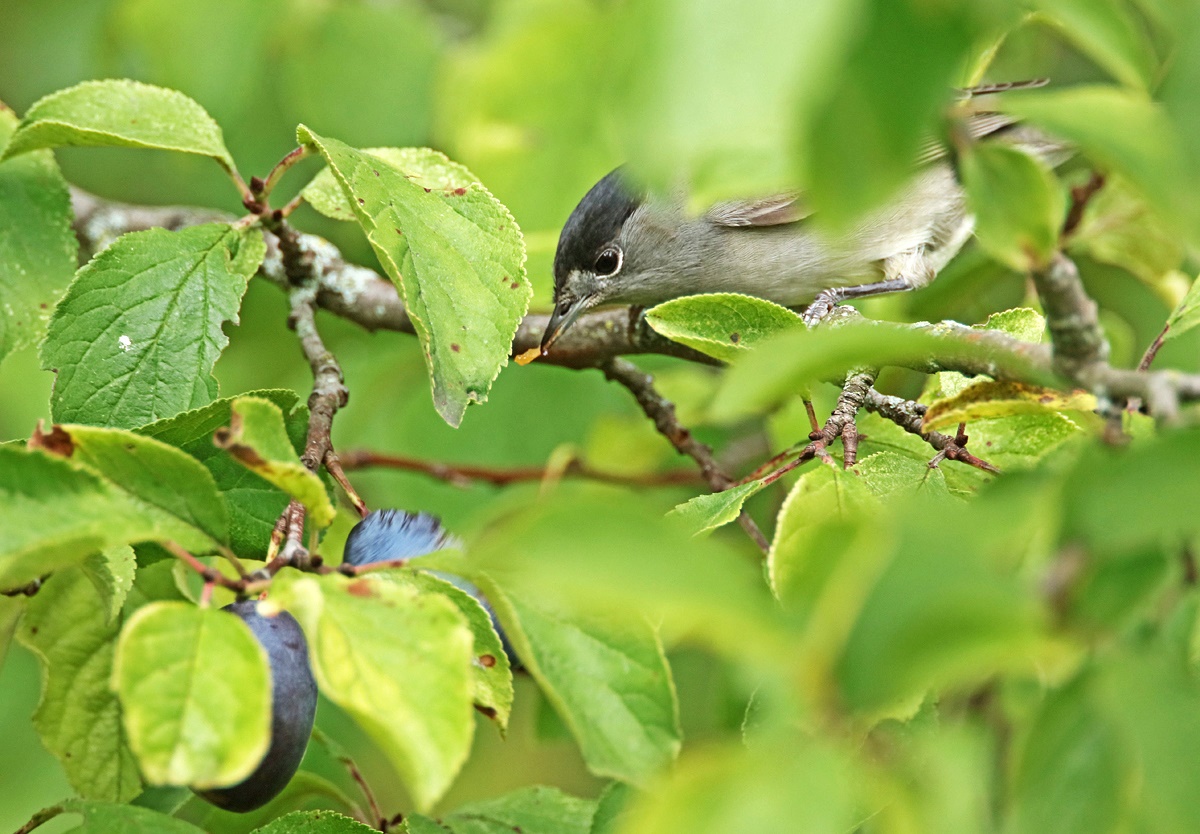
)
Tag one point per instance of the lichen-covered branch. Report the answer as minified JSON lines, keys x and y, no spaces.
{"x":909,"y":416}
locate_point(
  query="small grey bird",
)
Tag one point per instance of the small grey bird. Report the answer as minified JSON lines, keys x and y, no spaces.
{"x":621,"y":247}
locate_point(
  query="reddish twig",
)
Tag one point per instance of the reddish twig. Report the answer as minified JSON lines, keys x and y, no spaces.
{"x":909,"y":415}
{"x":1081,"y":195}
{"x":464,"y":474}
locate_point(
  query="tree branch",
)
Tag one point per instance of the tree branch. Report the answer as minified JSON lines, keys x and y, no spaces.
{"x":360,"y":295}
{"x":464,"y":474}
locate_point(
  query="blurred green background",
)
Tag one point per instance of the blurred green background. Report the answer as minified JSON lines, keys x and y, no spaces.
{"x":519,"y":91}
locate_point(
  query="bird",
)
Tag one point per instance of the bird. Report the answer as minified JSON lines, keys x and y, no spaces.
{"x":622,"y":245}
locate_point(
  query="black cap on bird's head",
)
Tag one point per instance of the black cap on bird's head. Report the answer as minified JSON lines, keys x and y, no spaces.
{"x":588,"y":249}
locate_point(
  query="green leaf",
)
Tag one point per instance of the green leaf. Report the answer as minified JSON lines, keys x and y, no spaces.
{"x":423,"y":166}
{"x":106,"y":818}
{"x":154,"y":472}
{"x":798,"y":571}
{"x":399,"y":663}
{"x":37,"y":247}
{"x":315,"y":822}
{"x":1072,"y":769}
{"x":120,"y":113}
{"x":720,"y":325}
{"x":708,"y":512}
{"x":772,"y":789}
{"x":55,"y":513}
{"x":458,"y":261}
{"x":786,"y":364}
{"x":1108,"y":33}
{"x":79,"y":719}
{"x":1150,"y":503}
{"x":713,"y":97}
{"x":631,"y":563}
{"x":938,"y":614}
{"x":609,"y":683}
{"x":990,"y":399}
{"x":490,"y":670}
{"x":612,"y":808}
{"x":257,"y":438}
{"x":305,"y":792}
{"x":1123,"y":131}
{"x":195,"y":693}
{"x":1120,"y":227}
{"x":860,"y":145}
{"x":11,"y":610}
{"x":1017,"y":202}
{"x":111,"y":572}
{"x":417,"y":824}
{"x":1187,"y":314}
{"x":252,"y":504}
{"x":136,"y":336}
{"x":532,"y":810}
{"x":889,"y":473}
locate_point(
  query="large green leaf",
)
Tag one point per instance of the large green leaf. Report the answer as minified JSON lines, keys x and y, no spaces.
{"x":533,"y":810}
{"x":315,"y":822}
{"x":1109,"y":33}
{"x":938,"y":614}
{"x":106,"y":818}
{"x":860,"y":145}
{"x":424,"y":166}
{"x":714,"y":97}
{"x":398,"y":662}
{"x":79,"y":718}
{"x":120,"y":113}
{"x":1122,"y":130}
{"x":721,"y":325}
{"x":37,"y":248}
{"x":55,"y":512}
{"x":457,"y":259}
{"x":136,"y":336}
{"x":491,"y":671}
{"x":609,"y":683}
{"x":111,"y":571}
{"x":1017,"y":202}
{"x":768,"y":789}
{"x":252,"y":504}
{"x":195,"y":691}
{"x":629,"y":562}
{"x":257,"y":438}
{"x":1072,"y":769}
{"x":786,"y":364}
{"x":156,"y":473}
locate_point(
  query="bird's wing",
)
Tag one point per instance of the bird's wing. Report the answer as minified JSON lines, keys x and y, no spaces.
{"x":975,"y":126}
{"x":776,"y":210}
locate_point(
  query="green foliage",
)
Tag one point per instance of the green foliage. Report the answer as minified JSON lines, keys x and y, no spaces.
{"x":399,"y":663}
{"x":136,"y":336}
{"x":926,"y":646}
{"x":37,"y":250}
{"x":120,"y":114}
{"x":195,"y":694}
{"x":458,"y":260}
{"x":79,"y":718}
{"x":257,"y":438}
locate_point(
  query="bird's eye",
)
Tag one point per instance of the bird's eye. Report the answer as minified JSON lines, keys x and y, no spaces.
{"x":608,"y":262}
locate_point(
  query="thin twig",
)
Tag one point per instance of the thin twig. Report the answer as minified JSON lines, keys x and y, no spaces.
{"x":380,"y":821}
{"x":42,"y":816}
{"x":1080,"y":197}
{"x":1155,"y":346}
{"x":27,"y":590}
{"x":908,"y":415}
{"x":464,"y":474}
{"x":239,"y":586}
{"x":662,"y":412}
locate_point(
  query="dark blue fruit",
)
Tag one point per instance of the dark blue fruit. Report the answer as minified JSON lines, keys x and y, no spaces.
{"x":293,"y":708}
{"x":386,"y":535}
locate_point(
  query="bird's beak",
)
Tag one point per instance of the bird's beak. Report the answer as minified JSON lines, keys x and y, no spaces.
{"x":564,"y":316}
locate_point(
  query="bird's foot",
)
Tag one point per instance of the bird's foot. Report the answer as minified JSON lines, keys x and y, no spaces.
{"x":821,"y":307}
